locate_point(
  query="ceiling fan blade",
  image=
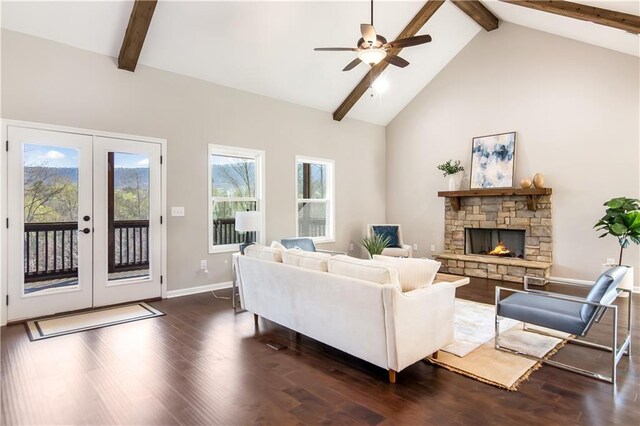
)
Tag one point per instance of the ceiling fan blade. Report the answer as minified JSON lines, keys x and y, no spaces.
{"x":336,"y":49}
{"x":409,"y":41}
{"x":368,"y":33}
{"x":396,"y":60}
{"x":352,"y":64}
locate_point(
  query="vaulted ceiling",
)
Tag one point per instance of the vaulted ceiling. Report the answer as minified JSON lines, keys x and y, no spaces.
{"x":267,"y":47}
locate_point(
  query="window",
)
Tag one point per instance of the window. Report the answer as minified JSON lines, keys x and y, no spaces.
{"x":236,"y":183}
{"x":315,"y":199}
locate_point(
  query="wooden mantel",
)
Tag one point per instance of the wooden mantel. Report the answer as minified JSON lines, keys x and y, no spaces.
{"x":531,"y":194}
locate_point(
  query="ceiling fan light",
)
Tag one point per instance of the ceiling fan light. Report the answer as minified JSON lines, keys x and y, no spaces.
{"x":372,"y":56}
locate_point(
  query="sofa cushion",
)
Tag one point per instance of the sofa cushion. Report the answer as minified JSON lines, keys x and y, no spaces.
{"x":413,"y":273}
{"x":396,"y":252}
{"x":306,"y":259}
{"x":277,"y":245}
{"x":368,"y":270}
{"x":390,"y":231}
{"x":263,"y":252}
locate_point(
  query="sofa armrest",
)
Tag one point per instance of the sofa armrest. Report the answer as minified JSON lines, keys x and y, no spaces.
{"x":418,"y":323}
{"x":331,"y":252}
{"x":409,"y":248}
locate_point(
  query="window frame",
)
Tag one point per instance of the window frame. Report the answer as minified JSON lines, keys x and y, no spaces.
{"x":230,"y":151}
{"x":330,"y":199}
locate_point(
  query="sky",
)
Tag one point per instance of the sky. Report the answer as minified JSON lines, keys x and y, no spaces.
{"x":58,"y":156}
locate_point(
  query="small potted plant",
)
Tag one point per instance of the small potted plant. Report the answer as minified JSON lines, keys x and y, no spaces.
{"x":375,"y":244}
{"x":622,"y":220}
{"x":452,"y":168}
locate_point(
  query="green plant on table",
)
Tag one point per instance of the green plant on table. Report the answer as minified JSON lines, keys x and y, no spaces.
{"x":375,"y":243}
{"x":450,"y":168}
{"x":622,"y":220}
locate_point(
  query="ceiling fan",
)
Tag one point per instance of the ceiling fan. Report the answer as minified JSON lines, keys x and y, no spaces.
{"x":373,"y":48}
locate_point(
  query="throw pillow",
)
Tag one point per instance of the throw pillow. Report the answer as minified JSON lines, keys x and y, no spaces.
{"x":413,"y":273}
{"x":388,"y":231}
{"x":368,"y":270}
{"x":306,"y":259}
{"x":263,"y":252}
{"x":277,"y":245}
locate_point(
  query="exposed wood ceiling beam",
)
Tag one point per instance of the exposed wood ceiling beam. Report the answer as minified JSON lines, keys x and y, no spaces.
{"x":479,"y":13}
{"x":139,"y":22}
{"x":410,"y":30}
{"x":609,"y":18}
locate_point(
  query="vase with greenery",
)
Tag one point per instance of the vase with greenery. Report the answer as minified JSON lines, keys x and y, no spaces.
{"x":622,"y":220}
{"x":451,"y":168}
{"x":375,"y":244}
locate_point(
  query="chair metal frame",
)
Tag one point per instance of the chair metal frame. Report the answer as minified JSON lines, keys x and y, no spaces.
{"x":616,"y":352}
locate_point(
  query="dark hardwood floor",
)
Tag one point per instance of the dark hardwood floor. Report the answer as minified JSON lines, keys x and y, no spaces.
{"x":203,"y":364}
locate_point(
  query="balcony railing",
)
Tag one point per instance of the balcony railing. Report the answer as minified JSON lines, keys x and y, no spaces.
{"x":131,"y":245}
{"x":51,"y":249}
{"x":224,"y":230}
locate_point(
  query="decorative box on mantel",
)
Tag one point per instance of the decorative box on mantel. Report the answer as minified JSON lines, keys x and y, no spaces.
{"x":495,"y":210}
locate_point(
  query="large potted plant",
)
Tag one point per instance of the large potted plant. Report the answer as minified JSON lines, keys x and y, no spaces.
{"x":375,"y":244}
{"x":622,"y":220}
{"x":452,"y":169}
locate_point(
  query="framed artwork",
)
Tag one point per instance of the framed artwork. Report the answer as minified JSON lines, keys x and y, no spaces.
{"x":493,"y":160}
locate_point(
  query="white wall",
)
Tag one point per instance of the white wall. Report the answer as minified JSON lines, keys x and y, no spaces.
{"x":48,"y":82}
{"x":576,"y":110}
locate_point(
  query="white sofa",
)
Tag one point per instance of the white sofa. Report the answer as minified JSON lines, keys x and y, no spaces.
{"x":375,"y":322}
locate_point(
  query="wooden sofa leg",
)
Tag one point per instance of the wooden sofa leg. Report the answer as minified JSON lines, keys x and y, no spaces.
{"x":255,"y":319}
{"x":392,"y":376}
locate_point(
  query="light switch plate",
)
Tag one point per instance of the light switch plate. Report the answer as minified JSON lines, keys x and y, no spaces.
{"x":177,"y":211}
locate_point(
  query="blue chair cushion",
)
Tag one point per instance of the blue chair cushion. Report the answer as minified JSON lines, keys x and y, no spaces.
{"x":544,"y":311}
{"x":305,"y":244}
{"x":603,"y":290}
{"x":388,"y":231}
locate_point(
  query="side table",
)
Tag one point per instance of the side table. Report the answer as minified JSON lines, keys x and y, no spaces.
{"x":235,"y":294}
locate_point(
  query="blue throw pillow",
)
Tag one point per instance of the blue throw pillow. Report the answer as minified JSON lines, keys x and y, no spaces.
{"x":388,"y":231}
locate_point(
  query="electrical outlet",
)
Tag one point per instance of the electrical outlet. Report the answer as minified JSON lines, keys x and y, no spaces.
{"x":415,"y":247}
{"x":433,"y":247}
{"x":611,"y":261}
{"x":350,"y":246}
{"x":203,"y":265}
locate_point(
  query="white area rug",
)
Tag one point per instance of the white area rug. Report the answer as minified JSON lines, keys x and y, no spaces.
{"x":67,"y":324}
{"x":473,"y":325}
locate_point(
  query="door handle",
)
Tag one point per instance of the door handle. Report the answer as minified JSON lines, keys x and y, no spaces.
{"x":86,"y":230}
{"x":86,"y":218}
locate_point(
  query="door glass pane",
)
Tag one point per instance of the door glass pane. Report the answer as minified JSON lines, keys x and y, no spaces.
{"x":312,"y":219}
{"x":50,"y":218}
{"x":128,"y":216}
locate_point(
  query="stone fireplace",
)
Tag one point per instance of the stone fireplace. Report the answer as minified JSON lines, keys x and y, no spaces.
{"x":498,"y":234}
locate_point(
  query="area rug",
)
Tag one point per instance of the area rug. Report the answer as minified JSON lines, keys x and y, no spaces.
{"x":488,"y":365}
{"x":473,"y":325}
{"x":74,"y":323}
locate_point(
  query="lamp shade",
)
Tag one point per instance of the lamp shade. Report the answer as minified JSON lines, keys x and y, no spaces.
{"x":247,"y":221}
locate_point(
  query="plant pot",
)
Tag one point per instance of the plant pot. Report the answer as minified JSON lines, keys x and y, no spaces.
{"x":454,"y":182}
{"x":627,"y":280}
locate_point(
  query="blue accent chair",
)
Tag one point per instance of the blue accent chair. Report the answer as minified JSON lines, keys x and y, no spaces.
{"x":396,"y":247}
{"x":305,"y":244}
{"x":568,"y":314}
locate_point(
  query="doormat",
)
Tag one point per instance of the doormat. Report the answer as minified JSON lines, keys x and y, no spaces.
{"x":61,"y":325}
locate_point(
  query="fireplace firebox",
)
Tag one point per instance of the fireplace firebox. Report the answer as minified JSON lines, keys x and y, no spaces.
{"x":495,"y":242}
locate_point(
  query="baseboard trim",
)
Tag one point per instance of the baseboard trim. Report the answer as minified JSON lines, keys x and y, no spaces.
{"x":200,"y":289}
{"x":581,"y":282}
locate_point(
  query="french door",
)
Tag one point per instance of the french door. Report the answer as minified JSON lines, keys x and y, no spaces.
{"x":84,"y":221}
